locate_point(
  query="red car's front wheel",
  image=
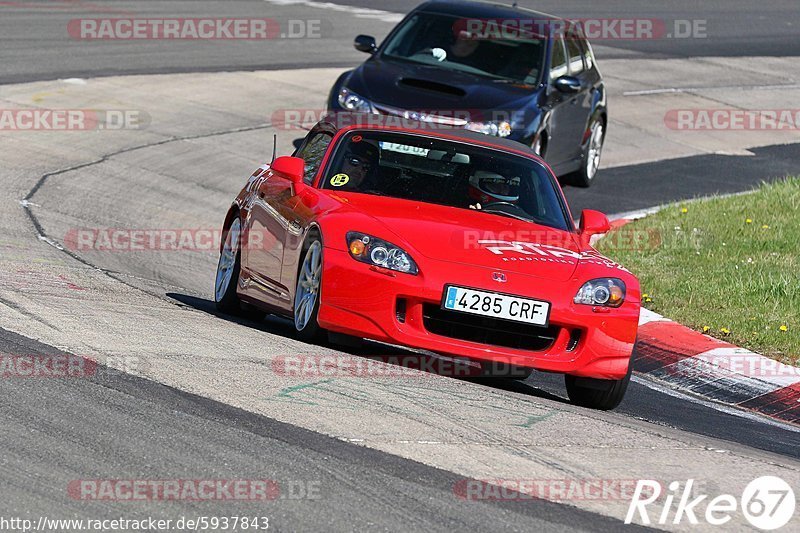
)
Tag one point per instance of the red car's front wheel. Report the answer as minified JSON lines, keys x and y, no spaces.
{"x":602,"y":394}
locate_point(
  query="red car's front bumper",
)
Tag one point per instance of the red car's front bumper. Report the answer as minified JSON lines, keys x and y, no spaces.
{"x":368,"y":302}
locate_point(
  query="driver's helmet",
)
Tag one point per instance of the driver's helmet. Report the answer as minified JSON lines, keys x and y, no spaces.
{"x":364,"y":151}
{"x":487,"y":187}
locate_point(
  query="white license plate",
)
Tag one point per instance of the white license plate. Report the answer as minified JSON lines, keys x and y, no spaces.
{"x":496,"y":305}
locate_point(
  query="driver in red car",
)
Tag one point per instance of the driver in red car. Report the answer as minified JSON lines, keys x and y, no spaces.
{"x":487,"y":187}
{"x":359,"y":165}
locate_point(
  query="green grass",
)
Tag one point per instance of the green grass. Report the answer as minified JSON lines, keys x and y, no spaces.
{"x":726,"y":266}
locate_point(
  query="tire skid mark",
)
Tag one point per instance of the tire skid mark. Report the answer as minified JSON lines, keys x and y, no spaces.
{"x":425,"y":406}
{"x":117,"y":276}
{"x":21,"y":310}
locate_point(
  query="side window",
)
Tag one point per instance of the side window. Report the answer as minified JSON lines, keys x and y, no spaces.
{"x":586,"y":48}
{"x":574,"y":53}
{"x":312,"y":152}
{"x":558,"y":62}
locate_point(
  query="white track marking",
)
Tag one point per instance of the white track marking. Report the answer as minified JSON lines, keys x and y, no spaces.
{"x":358,"y":12}
{"x":776,"y":373}
{"x":713,"y":405}
{"x":635,"y":215}
{"x":51,"y":242}
{"x":647,"y":316}
{"x":670,"y":90}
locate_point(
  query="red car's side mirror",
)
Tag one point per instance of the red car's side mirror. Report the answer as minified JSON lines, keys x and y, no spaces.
{"x":593,"y":223}
{"x":292,"y":168}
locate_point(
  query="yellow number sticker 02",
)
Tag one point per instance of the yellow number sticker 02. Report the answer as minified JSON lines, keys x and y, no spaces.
{"x":340,"y":179}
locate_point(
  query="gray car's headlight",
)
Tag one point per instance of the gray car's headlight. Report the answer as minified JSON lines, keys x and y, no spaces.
{"x":377,"y":252}
{"x":353,"y":102}
{"x":498,"y":129}
{"x":606,"y":292}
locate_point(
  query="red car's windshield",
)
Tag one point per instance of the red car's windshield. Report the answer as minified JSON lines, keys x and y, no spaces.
{"x":451,"y":173}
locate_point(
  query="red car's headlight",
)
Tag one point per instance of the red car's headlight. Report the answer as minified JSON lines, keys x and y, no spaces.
{"x":606,"y":292}
{"x":375,"y":251}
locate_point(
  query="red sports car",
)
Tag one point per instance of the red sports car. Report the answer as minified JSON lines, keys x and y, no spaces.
{"x":439,"y":239}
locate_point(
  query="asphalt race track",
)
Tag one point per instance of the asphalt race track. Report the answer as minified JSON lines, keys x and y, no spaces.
{"x":33,"y":51}
{"x":151,"y":426}
{"x":203,"y":400}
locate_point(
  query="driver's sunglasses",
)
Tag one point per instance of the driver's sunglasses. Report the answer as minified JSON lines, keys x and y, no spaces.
{"x":356,"y":162}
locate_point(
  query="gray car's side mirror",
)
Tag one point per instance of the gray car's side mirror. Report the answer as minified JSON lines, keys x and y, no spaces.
{"x":568,"y":84}
{"x":365,"y":43}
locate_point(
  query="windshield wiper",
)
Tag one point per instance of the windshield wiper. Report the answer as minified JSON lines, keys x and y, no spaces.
{"x":509,"y":81}
{"x":504,"y":213}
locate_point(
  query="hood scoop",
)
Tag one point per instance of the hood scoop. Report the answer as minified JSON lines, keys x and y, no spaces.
{"x":431,"y":86}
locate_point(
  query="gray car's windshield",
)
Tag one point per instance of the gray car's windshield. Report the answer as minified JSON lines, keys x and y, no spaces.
{"x":451,"y":173}
{"x":443,"y":41}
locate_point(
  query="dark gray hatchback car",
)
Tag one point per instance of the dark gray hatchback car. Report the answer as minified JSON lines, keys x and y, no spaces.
{"x":499,"y":70}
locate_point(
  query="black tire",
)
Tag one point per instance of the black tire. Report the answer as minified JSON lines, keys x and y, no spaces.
{"x":590,"y":164}
{"x":228,"y":302}
{"x":601,"y":394}
{"x":310,"y":331}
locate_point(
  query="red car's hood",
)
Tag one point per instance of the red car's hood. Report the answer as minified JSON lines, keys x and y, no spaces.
{"x":469,"y":237}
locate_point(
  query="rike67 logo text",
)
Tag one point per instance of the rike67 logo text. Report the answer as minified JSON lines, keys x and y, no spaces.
{"x":767,"y":503}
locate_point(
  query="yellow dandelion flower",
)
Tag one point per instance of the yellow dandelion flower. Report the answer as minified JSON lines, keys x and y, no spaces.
{"x":765,"y":226}
{"x":724,"y":331}
{"x":706,"y":329}
{"x":784,"y":328}
{"x":648,"y":300}
{"x":748,"y":221}
{"x":684,"y":210}
{"x":645,"y":295}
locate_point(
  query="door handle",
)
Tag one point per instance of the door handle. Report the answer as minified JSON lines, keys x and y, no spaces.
{"x":295,"y":227}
